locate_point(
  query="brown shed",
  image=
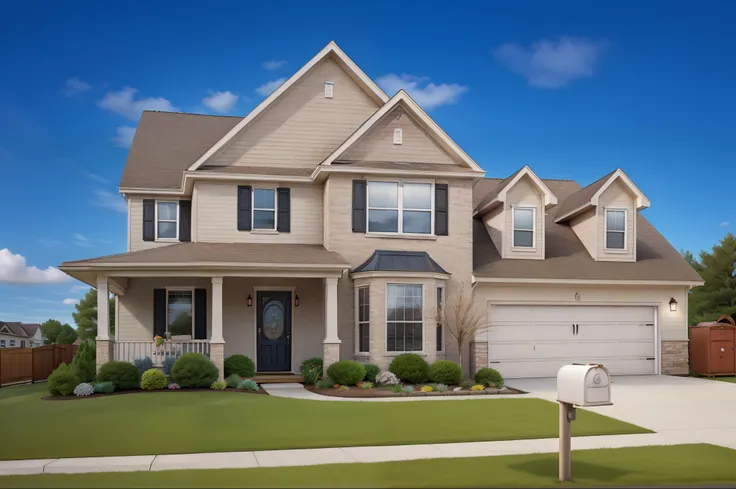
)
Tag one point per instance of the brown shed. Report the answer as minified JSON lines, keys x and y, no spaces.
{"x":712,"y":347}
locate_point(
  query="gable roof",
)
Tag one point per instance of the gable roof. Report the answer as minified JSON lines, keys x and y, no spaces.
{"x":567,"y":259}
{"x":588,"y":196}
{"x":408,"y":104}
{"x":498,"y":193}
{"x":400,"y":261}
{"x":30,"y":329}
{"x":330,"y":50}
{"x":13,"y":328}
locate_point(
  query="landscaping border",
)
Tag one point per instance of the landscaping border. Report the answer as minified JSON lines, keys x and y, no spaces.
{"x":141,"y":391}
{"x":356,"y":392}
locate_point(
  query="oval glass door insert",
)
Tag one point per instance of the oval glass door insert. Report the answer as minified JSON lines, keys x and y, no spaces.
{"x":273,"y":320}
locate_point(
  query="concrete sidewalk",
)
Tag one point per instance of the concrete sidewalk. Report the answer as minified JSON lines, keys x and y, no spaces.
{"x":320,"y":456}
{"x":297,"y":391}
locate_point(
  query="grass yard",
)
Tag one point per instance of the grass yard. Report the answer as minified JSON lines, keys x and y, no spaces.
{"x":641,"y":466}
{"x":726,"y":379}
{"x":191,"y":422}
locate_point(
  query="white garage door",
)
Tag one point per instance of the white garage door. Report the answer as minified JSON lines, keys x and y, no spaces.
{"x":535,"y":341}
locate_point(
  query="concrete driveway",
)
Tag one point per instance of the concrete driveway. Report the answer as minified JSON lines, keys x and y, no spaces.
{"x":694,"y":410}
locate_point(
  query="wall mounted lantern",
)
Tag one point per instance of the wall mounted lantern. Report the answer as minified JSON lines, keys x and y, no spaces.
{"x":296,"y":301}
{"x":673,"y":305}
{"x":250,"y":301}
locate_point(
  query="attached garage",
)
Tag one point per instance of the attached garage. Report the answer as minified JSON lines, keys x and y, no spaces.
{"x":536,"y":340}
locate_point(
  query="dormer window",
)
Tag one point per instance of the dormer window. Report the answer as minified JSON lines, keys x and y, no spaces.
{"x":523,"y":227}
{"x":615,"y":229}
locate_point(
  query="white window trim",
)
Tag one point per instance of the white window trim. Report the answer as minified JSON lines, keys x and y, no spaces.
{"x":514,"y":246}
{"x":11,"y":343}
{"x":444,"y":302}
{"x":400,"y":208}
{"x":2,"y":344}
{"x":386,"y":321}
{"x":180,"y":289}
{"x":358,"y":322}
{"x":398,"y":136}
{"x":253,"y":210}
{"x":625,"y":249}
{"x":155,"y":219}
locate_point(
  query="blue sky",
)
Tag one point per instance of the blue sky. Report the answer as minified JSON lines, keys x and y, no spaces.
{"x":572,"y":89}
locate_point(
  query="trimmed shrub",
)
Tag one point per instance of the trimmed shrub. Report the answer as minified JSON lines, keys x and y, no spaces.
{"x":346,"y":372}
{"x":218,"y":385}
{"x":439,"y":387}
{"x":194,"y":370}
{"x":143,"y":364}
{"x":315,"y":362}
{"x":311,"y":374}
{"x":233,"y":380}
{"x":445,"y":372}
{"x":384,"y":377}
{"x":123,"y":375}
{"x":168,"y":362}
{"x":84,"y":362}
{"x":104,"y":387}
{"x":371,"y":371}
{"x":248,"y":385}
{"x":426,"y":388}
{"x":489,"y":377}
{"x":410,"y":367}
{"x":241,"y":365}
{"x":63,"y":380}
{"x":84,"y":389}
{"x":325,"y":383}
{"x":153,"y":379}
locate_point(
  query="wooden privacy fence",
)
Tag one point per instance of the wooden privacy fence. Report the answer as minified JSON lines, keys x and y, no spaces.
{"x":32,"y":364}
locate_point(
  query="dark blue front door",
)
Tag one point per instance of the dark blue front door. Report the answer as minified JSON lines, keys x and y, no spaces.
{"x":274,"y":331}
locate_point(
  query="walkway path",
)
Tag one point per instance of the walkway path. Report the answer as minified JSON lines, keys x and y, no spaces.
{"x":297,"y":391}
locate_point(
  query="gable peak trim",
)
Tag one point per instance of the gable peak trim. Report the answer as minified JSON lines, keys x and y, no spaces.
{"x":641,"y":199}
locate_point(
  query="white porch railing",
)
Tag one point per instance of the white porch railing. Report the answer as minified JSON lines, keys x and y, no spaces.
{"x":128,"y":351}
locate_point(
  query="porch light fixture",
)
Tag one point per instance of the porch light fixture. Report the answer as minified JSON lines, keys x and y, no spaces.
{"x":673,"y":305}
{"x":250,"y":301}
{"x":296,"y":301}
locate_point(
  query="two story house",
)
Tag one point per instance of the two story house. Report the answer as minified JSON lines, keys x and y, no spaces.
{"x":333,"y":219}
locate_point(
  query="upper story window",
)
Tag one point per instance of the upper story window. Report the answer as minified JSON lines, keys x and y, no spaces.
{"x":616,"y":229}
{"x":523,"y":227}
{"x":264,"y":208}
{"x":400,"y":207}
{"x":167,"y":220}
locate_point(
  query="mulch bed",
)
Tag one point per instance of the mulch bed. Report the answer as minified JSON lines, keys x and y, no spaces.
{"x":380,"y":392}
{"x":140,"y":391}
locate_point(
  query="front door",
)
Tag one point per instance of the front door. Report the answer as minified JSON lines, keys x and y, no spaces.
{"x":274,"y":331}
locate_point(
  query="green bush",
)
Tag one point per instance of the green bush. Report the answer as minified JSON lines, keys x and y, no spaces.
{"x":233,"y":380}
{"x":248,"y":385}
{"x":153,"y":379}
{"x":346,"y":372}
{"x":84,"y":362}
{"x":63,"y":380}
{"x":315,"y":362}
{"x":311,"y":374}
{"x":371,"y":371}
{"x":123,"y":375}
{"x":104,"y":387}
{"x":143,"y":364}
{"x":194,"y":370}
{"x":218,"y":385}
{"x":241,"y":365}
{"x":325,"y":383}
{"x":410,"y":367}
{"x":489,"y":377}
{"x":445,"y":372}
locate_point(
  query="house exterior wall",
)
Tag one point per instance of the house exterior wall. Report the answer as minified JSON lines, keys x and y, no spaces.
{"x":494,"y":223}
{"x":585,"y":227}
{"x":7,"y":338}
{"x":135,"y":227}
{"x":523,"y":194}
{"x":617,"y":196}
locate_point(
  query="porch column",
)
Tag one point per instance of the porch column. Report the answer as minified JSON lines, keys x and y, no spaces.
{"x":104,"y":346}
{"x":217,"y":342}
{"x":331,"y":343}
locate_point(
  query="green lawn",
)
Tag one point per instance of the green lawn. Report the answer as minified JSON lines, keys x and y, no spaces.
{"x":726,"y":379}
{"x":641,"y":466}
{"x":191,"y":422}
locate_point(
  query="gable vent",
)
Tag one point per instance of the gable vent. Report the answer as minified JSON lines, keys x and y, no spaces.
{"x":398,"y":136}
{"x":329,"y":89}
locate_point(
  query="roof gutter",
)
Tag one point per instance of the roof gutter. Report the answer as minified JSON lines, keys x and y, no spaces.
{"x":581,"y":281}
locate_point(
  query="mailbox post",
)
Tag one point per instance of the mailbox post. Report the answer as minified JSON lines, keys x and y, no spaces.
{"x":578,"y":385}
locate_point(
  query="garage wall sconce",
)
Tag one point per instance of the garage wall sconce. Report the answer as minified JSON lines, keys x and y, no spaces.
{"x":673,"y":304}
{"x":250,"y":301}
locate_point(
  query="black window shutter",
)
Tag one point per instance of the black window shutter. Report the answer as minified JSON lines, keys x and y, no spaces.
{"x":283,"y":224}
{"x":159,"y":312}
{"x":185,"y":220}
{"x":149,"y":213}
{"x":244,"y":210}
{"x":440,"y":209}
{"x":359,"y":205}
{"x":200,"y":314}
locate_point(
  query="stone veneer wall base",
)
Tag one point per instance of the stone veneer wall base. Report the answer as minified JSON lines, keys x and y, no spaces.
{"x":675,"y":357}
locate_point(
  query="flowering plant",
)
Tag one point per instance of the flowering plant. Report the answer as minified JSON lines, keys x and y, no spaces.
{"x":158,"y":340}
{"x":173,"y":387}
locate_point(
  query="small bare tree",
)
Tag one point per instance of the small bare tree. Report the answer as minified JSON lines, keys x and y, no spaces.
{"x":461,"y":317}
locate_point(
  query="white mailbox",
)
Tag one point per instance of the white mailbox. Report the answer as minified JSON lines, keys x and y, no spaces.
{"x":584,"y":385}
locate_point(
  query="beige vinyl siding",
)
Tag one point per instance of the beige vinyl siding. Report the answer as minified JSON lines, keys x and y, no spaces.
{"x":216,"y":214}
{"x":417,"y":145}
{"x":494,"y":224}
{"x":672,"y":325}
{"x":135,"y":231}
{"x":302,"y":127}
{"x":524,"y":194}
{"x":585,"y":227}
{"x":617,"y":196}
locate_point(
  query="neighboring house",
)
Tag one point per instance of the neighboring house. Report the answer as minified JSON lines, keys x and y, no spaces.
{"x":14,"y":334}
{"x":332,"y":219}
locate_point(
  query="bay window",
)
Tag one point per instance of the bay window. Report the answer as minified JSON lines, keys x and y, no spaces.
{"x":404,"y":320}
{"x":364,"y":320}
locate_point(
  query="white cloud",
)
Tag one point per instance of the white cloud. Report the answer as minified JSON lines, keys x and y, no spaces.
{"x":70,"y":302}
{"x":75,"y":86}
{"x":427,"y":95}
{"x":97,"y":178}
{"x":125,"y":103}
{"x":13,"y":270}
{"x":78,"y":288}
{"x":273,"y":64}
{"x":81,"y":240}
{"x":725,"y":224}
{"x":221,"y":101}
{"x":552,"y":63}
{"x":80,"y":237}
{"x":269,"y":87}
{"x":110,"y":200}
{"x":124,"y":136}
